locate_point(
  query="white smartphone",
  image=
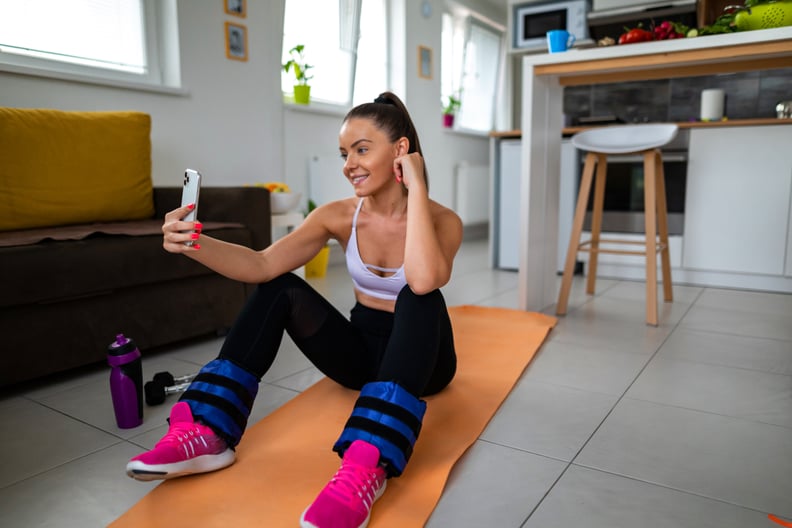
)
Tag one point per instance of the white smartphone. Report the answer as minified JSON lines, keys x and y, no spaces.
{"x":191,"y":190}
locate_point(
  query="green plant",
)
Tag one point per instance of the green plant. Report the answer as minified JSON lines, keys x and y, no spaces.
{"x":298,"y":65}
{"x":451,"y":104}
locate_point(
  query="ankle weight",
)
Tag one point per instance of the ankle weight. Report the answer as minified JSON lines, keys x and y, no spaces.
{"x":388,"y":417}
{"x":222,"y":395}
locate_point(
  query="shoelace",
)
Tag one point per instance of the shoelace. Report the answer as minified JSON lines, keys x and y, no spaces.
{"x":354,"y":480}
{"x":179,"y":433}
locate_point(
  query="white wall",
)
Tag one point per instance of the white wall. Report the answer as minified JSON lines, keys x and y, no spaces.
{"x":231,"y":124}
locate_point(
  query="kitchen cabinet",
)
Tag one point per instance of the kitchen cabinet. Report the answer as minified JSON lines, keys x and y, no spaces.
{"x":737,"y":210}
{"x":507,"y":209}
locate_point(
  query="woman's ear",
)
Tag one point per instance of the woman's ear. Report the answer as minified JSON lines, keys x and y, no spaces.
{"x":402,"y":146}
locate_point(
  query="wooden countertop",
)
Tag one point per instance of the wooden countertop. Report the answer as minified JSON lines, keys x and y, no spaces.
{"x":706,"y":55}
{"x":566,"y":131}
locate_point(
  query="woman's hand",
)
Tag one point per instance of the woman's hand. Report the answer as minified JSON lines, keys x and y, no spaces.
{"x":180,"y":236}
{"x":409,"y":170}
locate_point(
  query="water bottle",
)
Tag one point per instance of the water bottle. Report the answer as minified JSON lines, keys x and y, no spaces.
{"x":126,"y":382}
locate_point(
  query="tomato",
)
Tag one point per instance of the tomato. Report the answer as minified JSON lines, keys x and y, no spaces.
{"x":636,"y":35}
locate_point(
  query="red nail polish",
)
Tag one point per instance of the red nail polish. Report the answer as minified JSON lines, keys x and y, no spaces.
{"x":198,"y":226}
{"x":196,"y":246}
{"x":195,"y":236}
{"x":191,"y":206}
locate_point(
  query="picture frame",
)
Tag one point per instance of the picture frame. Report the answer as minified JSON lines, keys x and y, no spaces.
{"x":235,"y":7}
{"x":424,"y":62}
{"x":236,"y":41}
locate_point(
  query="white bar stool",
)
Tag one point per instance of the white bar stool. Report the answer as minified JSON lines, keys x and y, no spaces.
{"x":622,"y":139}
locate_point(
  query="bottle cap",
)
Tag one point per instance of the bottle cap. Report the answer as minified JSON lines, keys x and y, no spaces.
{"x":122,"y":345}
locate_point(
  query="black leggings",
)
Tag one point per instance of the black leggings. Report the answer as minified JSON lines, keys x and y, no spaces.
{"x":414,"y":346}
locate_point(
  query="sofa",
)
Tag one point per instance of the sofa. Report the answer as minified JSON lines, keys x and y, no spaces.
{"x":81,"y":257}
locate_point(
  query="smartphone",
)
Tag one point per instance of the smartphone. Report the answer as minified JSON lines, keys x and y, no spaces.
{"x":191,"y":190}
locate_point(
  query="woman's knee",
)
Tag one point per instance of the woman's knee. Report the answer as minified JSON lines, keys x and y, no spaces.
{"x":433,"y":300}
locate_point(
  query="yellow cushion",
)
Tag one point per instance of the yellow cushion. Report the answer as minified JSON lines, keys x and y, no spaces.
{"x":59,"y":168}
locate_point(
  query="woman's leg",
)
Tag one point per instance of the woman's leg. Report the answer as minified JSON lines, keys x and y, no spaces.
{"x":211,"y":416}
{"x":420,"y":354}
{"x":223,"y":392}
{"x":418,"y":358}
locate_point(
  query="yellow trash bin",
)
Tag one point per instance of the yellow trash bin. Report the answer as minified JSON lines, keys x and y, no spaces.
{"x":317,"y":266}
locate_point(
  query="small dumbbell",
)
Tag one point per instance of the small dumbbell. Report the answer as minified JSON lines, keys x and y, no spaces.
{"x":156,"y":392}
{"x":167,"y":379}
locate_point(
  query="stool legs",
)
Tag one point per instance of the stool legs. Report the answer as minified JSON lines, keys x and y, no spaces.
{"x":596,"y":221}
{"x":662,"y":226}
{"x":577,"y":230}
{"x":656,"y":220}
{"x":650,"y":219}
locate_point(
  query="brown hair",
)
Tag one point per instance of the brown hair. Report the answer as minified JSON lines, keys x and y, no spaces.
{"x":390,"y":116}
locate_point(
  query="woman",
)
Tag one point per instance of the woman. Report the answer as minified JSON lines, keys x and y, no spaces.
{"x":396,"y":347}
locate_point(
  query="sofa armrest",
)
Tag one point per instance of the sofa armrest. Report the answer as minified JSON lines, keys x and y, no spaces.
{"x":249,"y":206}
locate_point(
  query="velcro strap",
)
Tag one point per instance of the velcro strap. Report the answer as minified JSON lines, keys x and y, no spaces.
{"x":391,"y":409}
{"x":384,"y":432}
{"x":234,"y":386}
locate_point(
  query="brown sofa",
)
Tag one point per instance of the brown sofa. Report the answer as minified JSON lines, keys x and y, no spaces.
{"x":67,"y":290}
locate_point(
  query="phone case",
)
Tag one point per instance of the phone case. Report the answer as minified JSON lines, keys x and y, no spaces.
{"x":191,"y":190}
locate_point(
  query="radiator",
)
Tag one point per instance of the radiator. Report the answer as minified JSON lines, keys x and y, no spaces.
{"x":326,"y":181}
{"x":472,"y":193}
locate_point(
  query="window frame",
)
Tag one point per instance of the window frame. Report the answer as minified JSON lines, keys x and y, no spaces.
{"x":159,"y":20}
{"x":324,"y":105}
{"x":464,"y":21}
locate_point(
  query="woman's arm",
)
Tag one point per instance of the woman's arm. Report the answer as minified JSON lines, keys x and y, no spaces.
{"x":434,"y":233}
{"x":242,"y":263}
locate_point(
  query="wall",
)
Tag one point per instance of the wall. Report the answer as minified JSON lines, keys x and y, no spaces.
{"x":231,"y":123}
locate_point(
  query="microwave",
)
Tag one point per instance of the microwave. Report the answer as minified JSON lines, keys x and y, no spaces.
{"x":531,"y":22}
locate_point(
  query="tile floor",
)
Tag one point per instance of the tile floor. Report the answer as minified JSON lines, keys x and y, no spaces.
{"x":614,"y":424}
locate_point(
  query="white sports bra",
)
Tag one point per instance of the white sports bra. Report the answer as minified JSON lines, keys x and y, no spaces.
{"x":362,"y":277}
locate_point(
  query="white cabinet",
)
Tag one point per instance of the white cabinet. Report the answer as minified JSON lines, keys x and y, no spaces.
{"x":737,"y":210}
{"x":508,"y":206}
{"x":508,"y":201}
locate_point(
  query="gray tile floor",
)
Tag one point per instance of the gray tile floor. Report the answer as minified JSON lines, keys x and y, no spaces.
{"x":614,"y":424}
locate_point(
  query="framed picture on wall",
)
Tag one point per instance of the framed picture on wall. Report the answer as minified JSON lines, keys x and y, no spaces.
{"x":236,"y":7}
{"x":236,"y":41}
{"x":424,"y":62}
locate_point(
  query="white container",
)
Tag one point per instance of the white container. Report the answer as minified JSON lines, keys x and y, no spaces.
{"x":712,"y":104}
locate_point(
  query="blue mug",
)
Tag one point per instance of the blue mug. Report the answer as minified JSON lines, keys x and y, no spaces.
{"x":559,"y":40}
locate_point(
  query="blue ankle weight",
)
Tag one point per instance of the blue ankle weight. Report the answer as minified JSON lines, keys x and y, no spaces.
{"x":388,"y":417}
{"x":222,"y":395}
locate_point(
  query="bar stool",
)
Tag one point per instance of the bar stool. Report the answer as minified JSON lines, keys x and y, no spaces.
{"x":622,"y":139}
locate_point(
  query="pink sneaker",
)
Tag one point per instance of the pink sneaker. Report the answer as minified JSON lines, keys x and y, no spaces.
{"x":188,"y":447}
{"x":347,"y":499}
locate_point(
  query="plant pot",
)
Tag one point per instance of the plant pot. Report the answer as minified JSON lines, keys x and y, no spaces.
{"x":317,"y":266}
{"x":448,"y":120}
{"x":302,"y":93}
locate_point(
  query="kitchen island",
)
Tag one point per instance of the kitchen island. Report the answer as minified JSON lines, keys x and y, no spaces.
{"x":545,"y":75}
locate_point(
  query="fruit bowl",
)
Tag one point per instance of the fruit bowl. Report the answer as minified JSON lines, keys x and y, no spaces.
{"x":284,"y":202}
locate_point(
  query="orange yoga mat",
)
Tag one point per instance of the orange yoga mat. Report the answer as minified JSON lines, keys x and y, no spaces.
{"x":286,"y":459}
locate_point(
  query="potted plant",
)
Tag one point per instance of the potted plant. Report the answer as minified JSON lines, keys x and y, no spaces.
{"x":450,"y":107}
{"x":317,"y":266}
{"x":302,"y":90}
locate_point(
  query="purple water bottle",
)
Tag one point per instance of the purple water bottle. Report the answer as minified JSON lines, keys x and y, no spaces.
{"x":126,"y":382}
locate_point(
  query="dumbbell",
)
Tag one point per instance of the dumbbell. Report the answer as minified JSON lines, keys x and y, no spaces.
{"x":167,"y":379}
{"x":165,"y":383}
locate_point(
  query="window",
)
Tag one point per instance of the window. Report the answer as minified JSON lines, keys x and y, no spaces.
{"x":471,"y":60}
{"x":341,"y":39}
{"x":107,"y":39}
